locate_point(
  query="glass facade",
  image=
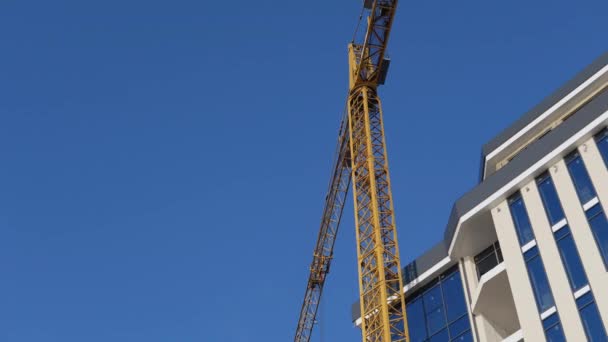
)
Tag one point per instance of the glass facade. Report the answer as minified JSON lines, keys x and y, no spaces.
{"x":438,"y":313}
{"x":548,"y":194}
{"x":592,"y":322}
{"x":553,"y":329}
{"x":601,"y":140}
{"x":520,"y":219}
{"x":538,"y":279}
{"x":599,"y":225}
{"x":580,"y":177}
{"x":570,"y":258}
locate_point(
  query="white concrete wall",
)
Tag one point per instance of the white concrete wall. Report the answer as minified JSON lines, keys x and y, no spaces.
{"x":556,"y":273}
{"x":517,"y":273}
{"x":595,"y":265}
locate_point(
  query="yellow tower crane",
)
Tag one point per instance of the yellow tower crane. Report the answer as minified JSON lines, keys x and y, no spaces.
{"x":361,"y":159}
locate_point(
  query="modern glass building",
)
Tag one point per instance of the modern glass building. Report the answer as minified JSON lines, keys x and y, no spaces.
{"x":525,"y":253}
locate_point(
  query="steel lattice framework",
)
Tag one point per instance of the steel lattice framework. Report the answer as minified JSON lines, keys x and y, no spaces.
{"x":361,"y":159}
{"x":330,"y":222}
{"x":380,"y":282}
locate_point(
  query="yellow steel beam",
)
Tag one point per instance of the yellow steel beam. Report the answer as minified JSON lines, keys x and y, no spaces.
{"x":323,"y":253}
{"x":382,"y":301}
{"x":362,"y":153}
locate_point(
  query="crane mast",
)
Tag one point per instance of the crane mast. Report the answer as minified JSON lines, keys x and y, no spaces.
{"x":362,"y":154}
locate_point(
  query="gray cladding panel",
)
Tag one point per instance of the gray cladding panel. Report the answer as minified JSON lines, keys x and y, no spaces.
{"x":545,"y":104}
{"x":526,"y":159}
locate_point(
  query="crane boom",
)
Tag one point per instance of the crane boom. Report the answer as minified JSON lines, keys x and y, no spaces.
{"x":330,"y":222}
{"x":362,"y":144}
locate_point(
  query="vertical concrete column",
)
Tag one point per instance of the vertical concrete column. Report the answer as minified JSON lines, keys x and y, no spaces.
{"x":525,"y":304}
{"x":582,"y":234}
{"x":599,"y":177}
{"x":469,"y":284}
{"x":558,"y":280}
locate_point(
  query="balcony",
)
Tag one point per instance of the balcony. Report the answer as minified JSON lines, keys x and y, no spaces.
{"x":492,"y":299}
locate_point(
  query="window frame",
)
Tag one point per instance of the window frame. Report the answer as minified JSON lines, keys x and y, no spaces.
{"x":519,"y":229}
{"x":533,"y":254}
{"x":569,"y":160}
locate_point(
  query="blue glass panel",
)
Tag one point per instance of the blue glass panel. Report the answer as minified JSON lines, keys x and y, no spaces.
{"x":459,"y":326}
{"x":550,"y":321}
{"x":555,"y":334}
{"x":580,"y":177}
{"x":453,"y":295}
{"x":570,"y":258}
{"x":549,"y":196}
{"x":432,"y":298}
{"x":521,"y":219}
{"x":585,"y":299}
{"x":553,"y":329}
{"x":538,"y":280}
{"x":592,"y":322}
{"x":593,"y":211}
{"x":415,"y":320}
{"x":601,"y":140}
{"x":435,"y":320}
{"x":466,"y":337}
{"x":433,"y":305}
{"x":440,"y":337}
{"x":599,"y":226}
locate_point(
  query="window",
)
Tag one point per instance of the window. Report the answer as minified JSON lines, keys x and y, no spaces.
{"x":580,"y":177}
{"x":442,"y":336}
{"x":415,"y":320}
{"x":601,"y":140}
{"x":466,"y":337}
{"x":433,"y":306}
{"x":520,"y":219}
{"x":570,"y":258}
{"x":599,"y":226}
{"x":553,"y":329}
{"x":548,"y":194}
{"x":594,"y":328}
{"x":439,"y":312}
{"x":538,"y":279}
{"x":454,"y":297}
{"x":488,"y":259}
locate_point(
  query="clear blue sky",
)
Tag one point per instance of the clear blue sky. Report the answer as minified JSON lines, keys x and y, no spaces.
{"x":163,"y":164}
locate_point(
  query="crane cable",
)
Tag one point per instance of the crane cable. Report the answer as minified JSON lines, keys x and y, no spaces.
{"x":358,"y":24}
